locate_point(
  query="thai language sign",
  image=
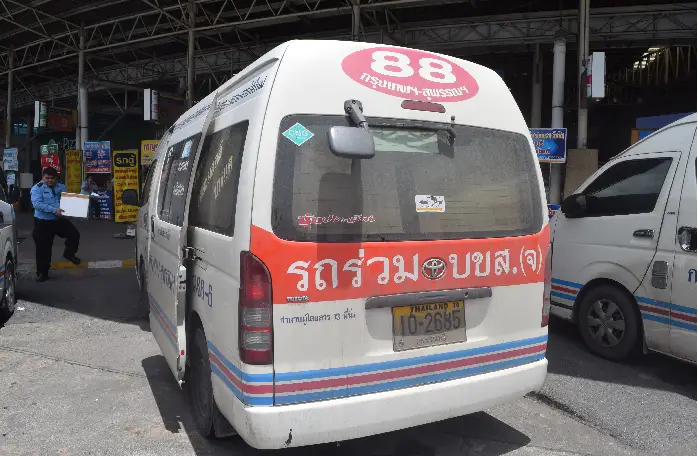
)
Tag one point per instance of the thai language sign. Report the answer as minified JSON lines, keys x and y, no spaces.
{"x":125,"y":177}
{"x":73,"y":171}
{"x":97,"y":157}
{"x":11,"y":159}
{"x":550,"y":144}
{"x":49,"y":157}
{"x":148,"y":151}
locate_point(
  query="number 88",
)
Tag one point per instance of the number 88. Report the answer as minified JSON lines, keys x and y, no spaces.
{"x":385,"y":63}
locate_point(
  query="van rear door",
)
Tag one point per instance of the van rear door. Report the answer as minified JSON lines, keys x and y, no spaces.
{"x":420,"y":265}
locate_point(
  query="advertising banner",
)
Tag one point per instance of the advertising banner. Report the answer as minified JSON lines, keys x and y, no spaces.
{"x":10,"y":159}
{"x":60,"y":119}
{"x":550,"y":144}
{"x":49,"y":157}
{"x":73,"y":170}
{"x":104,"y":199}
{"x":125,"y":177}
{"x":97,"y":157}
{"x":148,"y":151}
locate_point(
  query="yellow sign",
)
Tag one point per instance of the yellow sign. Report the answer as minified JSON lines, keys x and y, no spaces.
{"x":125,"y":177}
{"x":148,"y":151}
{"x":73,"y":170}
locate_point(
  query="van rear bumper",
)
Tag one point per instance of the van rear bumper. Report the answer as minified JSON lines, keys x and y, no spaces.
{"x":360,"y":416}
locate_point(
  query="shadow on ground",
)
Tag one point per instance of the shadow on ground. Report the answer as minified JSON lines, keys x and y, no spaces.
{"x":567,"y":355}
{"x":478,"y":430}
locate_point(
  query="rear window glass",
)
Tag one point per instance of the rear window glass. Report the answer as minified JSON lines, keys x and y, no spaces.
{"x":417,"y":187}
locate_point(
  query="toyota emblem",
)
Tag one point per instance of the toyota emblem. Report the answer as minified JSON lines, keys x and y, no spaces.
{"x":434,"y":268}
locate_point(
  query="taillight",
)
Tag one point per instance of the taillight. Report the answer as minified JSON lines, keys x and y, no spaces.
{"x":255,"y":311}
{"x":547,"y":277}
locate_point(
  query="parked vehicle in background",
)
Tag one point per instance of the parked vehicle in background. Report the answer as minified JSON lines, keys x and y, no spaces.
{"x":8,"y":246}
{"x":363,"y":256}
{"x":624,"y":249}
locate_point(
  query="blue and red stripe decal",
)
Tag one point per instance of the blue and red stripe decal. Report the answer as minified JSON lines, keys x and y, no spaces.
{"x":251,"y":389}
{"x":564,"y":294}
{"x":667,"y":313}
{"x":284,"y":388}
{"x":169,"y":328}
{"x":325,"y":384}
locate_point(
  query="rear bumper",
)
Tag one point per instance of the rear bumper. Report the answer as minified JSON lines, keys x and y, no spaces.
{"x":360,"y":416}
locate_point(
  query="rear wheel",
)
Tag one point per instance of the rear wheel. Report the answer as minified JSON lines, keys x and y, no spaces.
{"x":203,"y":406}
{"x":143,"y":299}
{"x":9,"y":296}
{"x":609,"y":323}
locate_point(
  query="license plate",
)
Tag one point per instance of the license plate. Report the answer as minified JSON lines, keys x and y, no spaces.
{"x":425,"y":325}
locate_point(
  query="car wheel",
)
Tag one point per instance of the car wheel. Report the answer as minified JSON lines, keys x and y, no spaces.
{"x":609,"y":323}
{"x":200,"y":389}
{"x":9,"y":297}
{"x":143,"y":299}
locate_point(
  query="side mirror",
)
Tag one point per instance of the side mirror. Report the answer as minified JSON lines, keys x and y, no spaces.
{"x":129,"y":197}
{"x":574,"y":206}
{"x":351,"y":142}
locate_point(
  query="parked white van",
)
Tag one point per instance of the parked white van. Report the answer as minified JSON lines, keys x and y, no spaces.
{"x":624,"y":249}
{"x":8,"y":249}
{"x":347,"y":239}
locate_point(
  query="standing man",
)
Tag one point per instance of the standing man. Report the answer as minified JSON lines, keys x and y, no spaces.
{"x":49,"y":222}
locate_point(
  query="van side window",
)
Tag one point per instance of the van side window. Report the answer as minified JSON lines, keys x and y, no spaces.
{"x":215,"y":191}
{"x":629,"y":187}
{"x":175,"y":179}
{"x":148,"y":184}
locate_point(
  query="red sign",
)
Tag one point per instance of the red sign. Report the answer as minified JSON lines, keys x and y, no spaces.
{"x":52,"y":161}
{"x":410,"y":74}
{"x":305,"y":271}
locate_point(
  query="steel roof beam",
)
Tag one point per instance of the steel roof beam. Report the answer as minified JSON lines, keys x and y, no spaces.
{"x":612,"y":25}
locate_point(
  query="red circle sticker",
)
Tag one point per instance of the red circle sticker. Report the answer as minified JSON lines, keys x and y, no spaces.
{"x":410,"y":74}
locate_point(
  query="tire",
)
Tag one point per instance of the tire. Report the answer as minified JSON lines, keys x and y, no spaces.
{"x":203,"y":406}
{"x":609,"y":323}
{"x":143,"y":300}
{"x":9,"y":296}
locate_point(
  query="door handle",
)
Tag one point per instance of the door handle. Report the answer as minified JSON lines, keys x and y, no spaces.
{"x":152,"y":224}
{"x":644,"y":233}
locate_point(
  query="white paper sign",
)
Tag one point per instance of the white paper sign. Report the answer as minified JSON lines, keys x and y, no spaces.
{"x":430,"y":203}
{"x":75,"y":205}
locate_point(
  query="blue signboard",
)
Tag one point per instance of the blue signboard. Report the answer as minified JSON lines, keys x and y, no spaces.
{"x":550,"y":144}
{"x":105,"y":200}
{"x":97,"y":157}
{"x":552,"y":209}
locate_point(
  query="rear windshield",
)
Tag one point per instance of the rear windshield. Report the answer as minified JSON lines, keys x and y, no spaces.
{"x":417,"y":187}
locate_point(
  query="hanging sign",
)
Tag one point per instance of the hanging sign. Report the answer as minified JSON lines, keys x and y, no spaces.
{"x":148,"y":151}
{"x":97,"y":157}
{"x":49,"y":156}
{"x":410,"y":74}
{"x":39,"y":114}
{"x":73,"y":171}
{"x":151,"y":105}
{"x":10,"y":159}
{"x":550,"y":144}
{"x":125,"y":177}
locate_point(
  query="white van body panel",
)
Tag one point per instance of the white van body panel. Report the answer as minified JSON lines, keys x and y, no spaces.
{"x":335,"y":374}
{"x":588,"y":249}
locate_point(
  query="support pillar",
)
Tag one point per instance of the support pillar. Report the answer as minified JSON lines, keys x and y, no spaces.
{"x":81,"y":133}
{"x":537,"y":88}
{"x":559,"y":50}
{"x":582,"y":54}
{"x":8,"y":111}
{"x":190,"y":54}
{"x":355,"y":20}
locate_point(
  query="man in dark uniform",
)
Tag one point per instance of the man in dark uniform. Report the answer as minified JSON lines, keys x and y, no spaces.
{"x":49,"y":222}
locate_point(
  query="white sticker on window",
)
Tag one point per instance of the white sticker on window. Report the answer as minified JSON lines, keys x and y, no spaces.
{"x":430,"y":203}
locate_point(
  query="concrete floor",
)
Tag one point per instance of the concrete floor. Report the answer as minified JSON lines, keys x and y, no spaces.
{"x":80,"y":376}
